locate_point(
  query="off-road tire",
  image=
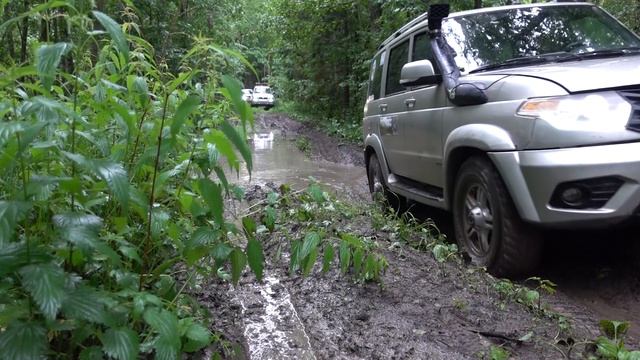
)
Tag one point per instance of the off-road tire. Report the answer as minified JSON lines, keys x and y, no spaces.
{"x":515,"y":246}
{"x":379,"y":190}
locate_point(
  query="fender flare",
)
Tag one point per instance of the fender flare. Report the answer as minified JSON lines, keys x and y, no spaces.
{"x":373,"y":142}
{"x":476,"y":137}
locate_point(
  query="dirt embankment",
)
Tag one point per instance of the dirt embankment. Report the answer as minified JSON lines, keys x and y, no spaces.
{"x":426,"y":309}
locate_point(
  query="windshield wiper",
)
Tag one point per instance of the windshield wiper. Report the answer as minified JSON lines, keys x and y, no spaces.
{"x":610,"y":52}
{"x":529,"y":60}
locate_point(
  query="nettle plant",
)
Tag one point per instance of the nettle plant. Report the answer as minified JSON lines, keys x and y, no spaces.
{"x":111,"y":181}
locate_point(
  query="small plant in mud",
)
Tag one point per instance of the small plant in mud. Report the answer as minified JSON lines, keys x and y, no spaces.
{"x":310,"y":221}
{"x":303,"y":144}
{"x":524,"y":295}
{"x":611,"y":345}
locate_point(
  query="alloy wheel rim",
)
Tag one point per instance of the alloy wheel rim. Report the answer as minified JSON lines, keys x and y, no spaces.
{"x":478,"y":220}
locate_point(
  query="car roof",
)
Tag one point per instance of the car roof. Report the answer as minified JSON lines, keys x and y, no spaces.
{"x":420,"y":21}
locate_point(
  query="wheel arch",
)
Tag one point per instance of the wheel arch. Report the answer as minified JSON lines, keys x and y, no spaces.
{"x":468,"y":141}
{"x":373,"y":145}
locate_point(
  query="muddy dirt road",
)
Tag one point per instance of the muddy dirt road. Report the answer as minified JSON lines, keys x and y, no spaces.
{"x":426,"y":309}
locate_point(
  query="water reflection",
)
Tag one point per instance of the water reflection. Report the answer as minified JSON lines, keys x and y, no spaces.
{"x":263,"y":141}
{"x":281,"y":162}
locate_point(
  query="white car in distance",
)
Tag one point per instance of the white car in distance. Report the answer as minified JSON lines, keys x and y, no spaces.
{"x":263,"y":96}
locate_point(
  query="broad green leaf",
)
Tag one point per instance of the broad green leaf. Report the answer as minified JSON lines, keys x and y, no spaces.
{"x":142,"y":300}
{"x":327,"y":258}
{"x":358,"y":257}
{"x":255,"y":257}
{"x":78,"y":228}
{"x":607,"y":348}
{"x":46,"y":284}
{"x":345,"y":256}
{"x":249,"y":227}
{"x":212,"y":194}
{"x":224,"y":146}
{"x":10,"y":313}
{"x":91,"y":353}
{"x":309,"y":261}
{"x":221,"y":252}
{"x":47,"y":61}
{"x":240,"y":143}
{"x":163,"y":322}
{"x":159,"y":220}
{"x":294,"y":262}
{"x":632,"y":355}
{"x":614,"y":329}
{"x":167,"y":347}
{"x":46,"y":110}
{"x":15,"y":255}
{"x":121,"y":343}
{"x":85,"y":303}
{"x":23,"y":341}
{"x":238,"y":262}
{"x":8,"y":131}
{"x":185,"y":108}
{"x":204,"y":236}
{"x":234,"y":92}
{"x":311,"y":242}
{"x":138,"y":86}
{"x":111,"y":172}
{"x":269,"y":218}
{"x":197,"y":336}
{"x":115,"y":31}
{"x":11,"y":212}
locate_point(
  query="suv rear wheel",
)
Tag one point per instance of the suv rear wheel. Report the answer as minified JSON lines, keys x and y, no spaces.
{"x":378,"y":188}
{"x":487,"y":226}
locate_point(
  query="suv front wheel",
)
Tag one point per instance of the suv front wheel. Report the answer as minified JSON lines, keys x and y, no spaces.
{"x":487,"y":226}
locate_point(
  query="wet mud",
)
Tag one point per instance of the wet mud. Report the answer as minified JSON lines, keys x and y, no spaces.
{"x":425,"y":309}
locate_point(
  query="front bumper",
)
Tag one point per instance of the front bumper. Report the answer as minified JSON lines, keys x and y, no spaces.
{"x":533,"y":175}
{"x":262,"y":102}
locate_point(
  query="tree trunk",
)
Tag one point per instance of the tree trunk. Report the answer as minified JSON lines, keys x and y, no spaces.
{"x":477,"y":4}
{"x":24,"y":34}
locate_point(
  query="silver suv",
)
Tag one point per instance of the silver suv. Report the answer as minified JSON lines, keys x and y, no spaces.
{"x":512,"y":118}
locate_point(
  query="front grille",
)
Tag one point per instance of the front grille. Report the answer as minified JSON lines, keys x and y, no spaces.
{"x":597,"y":192}
{"x":633,"y":97}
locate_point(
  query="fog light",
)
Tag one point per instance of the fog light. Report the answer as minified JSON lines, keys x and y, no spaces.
{"x":573,"y":196}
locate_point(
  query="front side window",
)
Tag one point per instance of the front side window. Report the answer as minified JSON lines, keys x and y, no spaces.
{"x":398,"y":56}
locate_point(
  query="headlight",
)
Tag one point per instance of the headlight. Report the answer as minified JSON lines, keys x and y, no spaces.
{"x":586,"y":112}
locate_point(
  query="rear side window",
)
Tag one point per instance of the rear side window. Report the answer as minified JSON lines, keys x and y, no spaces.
{"x":422,"y":50}
{"x":375,"y":79}
{"x":398,"y":56}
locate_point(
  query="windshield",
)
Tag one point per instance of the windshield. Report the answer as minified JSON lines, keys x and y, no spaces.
{"x":488,"y":38}
{"x":262,"y":89}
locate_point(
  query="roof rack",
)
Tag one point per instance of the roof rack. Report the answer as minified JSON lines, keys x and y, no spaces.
{"x":406,"y":27}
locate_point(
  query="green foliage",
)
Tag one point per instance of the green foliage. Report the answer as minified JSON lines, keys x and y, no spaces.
{"x":303,"y":144}
{"x":498,"y":353}
{"x":112,"y":177}
{"x":611,"y":345}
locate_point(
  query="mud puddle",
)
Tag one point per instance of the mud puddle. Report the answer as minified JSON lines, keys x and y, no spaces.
{"x":278,"y":160}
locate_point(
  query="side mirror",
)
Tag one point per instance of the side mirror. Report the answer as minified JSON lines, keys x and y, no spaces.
{"x":418,"y":73}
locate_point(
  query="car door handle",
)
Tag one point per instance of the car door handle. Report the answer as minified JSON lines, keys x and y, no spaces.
{"x":383,"y":107}
{"x":410,"y":103}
